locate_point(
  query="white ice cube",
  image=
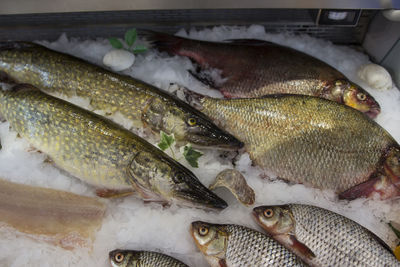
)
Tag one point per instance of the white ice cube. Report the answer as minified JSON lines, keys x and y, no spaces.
{"x":376,"y":76}
{"x":118,"y":59}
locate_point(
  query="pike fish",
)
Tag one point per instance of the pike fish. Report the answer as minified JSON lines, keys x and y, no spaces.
{"x":133,"y":258}
{"x":324,"y":238}
{"x":310,"y":140}
{"x":147,"y":106}
{"x":100,"y":152}
{"x":254,"y":68}
{"x":229,"y":245}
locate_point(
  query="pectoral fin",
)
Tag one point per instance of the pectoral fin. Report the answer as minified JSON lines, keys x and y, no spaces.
{"x":222,"y":263}
{"x":110,"y":193}
{"x":301,"y":248}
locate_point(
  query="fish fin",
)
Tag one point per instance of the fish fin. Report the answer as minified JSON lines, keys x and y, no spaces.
{"x":23,"y":87}
{"x":301,"y":248}
{"x":204,"y":78}
{"x":253,"y":42}
{"x":162,"y":41}
{"x":111,"y":193}
{"x":194,"y":99}
{"x":5,"y":78}
{"x":17,"y":45}
{"x":381,"y":185}
{"x":222,"y":263}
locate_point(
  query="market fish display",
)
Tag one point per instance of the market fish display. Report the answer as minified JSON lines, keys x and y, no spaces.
{"x":310,"y":140}
{"x":134,"y":258}
{"x":323,"y":238}
{"x":100,"y":152}
{"x":254,"y":68}
{"x":145,"y":105}
{"x":65,"y":219}
{"x":229,"y":245}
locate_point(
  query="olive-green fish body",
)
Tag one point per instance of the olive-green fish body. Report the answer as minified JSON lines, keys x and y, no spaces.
{"x":236,"y":246}
{"x":324,"y":238}
{"x":145,"y":105}
{"x":99,"y":151}
{"x":307,"y":139}
{"x":132,"y":258}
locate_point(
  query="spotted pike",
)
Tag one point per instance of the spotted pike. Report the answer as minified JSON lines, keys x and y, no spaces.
{"x":254,"y":68}
{"x":229,"y":245}
{"x":100,"y":152}
{"x":134,"y":258}
{"x":310,"y":140}
{"x":145,"y":105}
{"x":324,"y":238}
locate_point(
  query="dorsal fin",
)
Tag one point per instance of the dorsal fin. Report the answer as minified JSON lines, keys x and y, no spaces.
{"x":16,"y":45}
{"x":253,"y":42}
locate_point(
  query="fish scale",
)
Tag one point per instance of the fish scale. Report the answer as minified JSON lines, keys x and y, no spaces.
{"x":338,"y":241}
{"x":144,"y":259}
{"x":304,"y":139}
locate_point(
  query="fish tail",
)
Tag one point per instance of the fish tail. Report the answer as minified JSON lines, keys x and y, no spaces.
{"x":163,"y":42}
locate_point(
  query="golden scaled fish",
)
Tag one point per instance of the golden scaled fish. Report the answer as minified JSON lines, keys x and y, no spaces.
{"x":100,"y":152}
{"x":254,"y":68}
{"x":146,"y":105}
{"x":313,"y":141}
{"x":135,"y":258}
{"x":230,"y":245}
{"x":324,"y":238}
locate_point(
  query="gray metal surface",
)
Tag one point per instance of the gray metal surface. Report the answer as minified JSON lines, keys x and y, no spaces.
{"x":50,"y":6}
{"x":106,"y":24}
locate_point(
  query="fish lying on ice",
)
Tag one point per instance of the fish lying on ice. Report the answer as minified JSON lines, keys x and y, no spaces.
{"x":310,"y":140}
{"x":100,"y":152}
{"x":254,"y":68}
{"x":323,"y":238}
{"x":134,"y":258}
{"x":229,"y":245}
{"x":146,"y":105}
{"x":62,"y":218}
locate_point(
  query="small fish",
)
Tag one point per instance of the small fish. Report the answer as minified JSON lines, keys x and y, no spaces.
{"x":100,"y":152}
{"x":229,"y":245}
{"x":134,"y":258}
{"x":323,"y":238}
{"x":254,"y":68}
{"x":62,"y":218}
{"x":147,"y":106}
{"x":236,"y":183}
{"x":313,"y":141}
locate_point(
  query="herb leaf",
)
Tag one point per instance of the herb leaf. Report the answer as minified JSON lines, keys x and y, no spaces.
{"x":165,"y":141}
{"x":192,"y":155}
{"x":130,"y":37}
{"x":115,"y":43}
{"x":139,"y":49}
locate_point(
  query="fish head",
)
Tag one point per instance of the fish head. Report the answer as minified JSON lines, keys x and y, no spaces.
{"x":188,"y":125}
{"x":354,"y":96}
{"x":211,"y":239}
{"x":157,"y":176}
{"x":275,"y":220}
{"x":120,"y":258}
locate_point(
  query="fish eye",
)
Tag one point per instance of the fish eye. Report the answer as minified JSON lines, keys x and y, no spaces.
{"x":203,"y":231}
{"x":361,"y":96}
{"x":119,"y":257}
{"x":268,"y":213}
{"x":192,"y":121}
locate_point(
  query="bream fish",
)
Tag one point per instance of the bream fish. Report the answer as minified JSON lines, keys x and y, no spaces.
{"x":145,"y":105}
{"x":134,"y":258}
{"x":310,"y":140}
{"x":254,"y":68}
{"x":229,"y":245}
{"x":100,"y":152}
{"x":323,"y":238}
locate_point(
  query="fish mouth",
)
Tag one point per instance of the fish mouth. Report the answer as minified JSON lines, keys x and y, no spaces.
{"x":374,"y":111}
{"x":256,"y":212}
{"x":201,"y":199}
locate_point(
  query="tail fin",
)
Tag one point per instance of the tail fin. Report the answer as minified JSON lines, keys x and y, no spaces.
{"x":162,"y":41}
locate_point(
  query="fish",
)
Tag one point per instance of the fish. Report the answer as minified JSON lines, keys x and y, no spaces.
{"x":230,"y":245}
{"x":135,"y":258}
{"x":145,"y":105}
{"x":235,"y":182}
{"x":99,"y":151}
{"x":254,"y":68}
{"x":323,"y":238}
{"x":312,"y":141}
{"x":61,"y":218}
